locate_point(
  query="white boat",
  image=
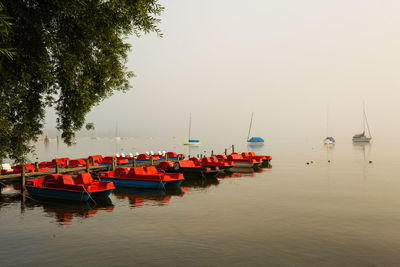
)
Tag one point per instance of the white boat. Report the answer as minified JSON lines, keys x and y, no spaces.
{"x":255,"y":141}
{"x":191,"y":142}
{"x":362,"y":137}
{"x":329,"y":140}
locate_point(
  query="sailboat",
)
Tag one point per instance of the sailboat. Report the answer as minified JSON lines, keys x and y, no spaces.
{"x":117,"y":137}
{"x":253,"y":140}
{"x":329,"y":140}
{"x":191,"y":142}
{"x":362,"y":137}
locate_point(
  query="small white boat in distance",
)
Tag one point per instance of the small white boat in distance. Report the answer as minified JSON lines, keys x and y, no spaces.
{"x":191,"y":142}
{"x":362,"y":137}
{"x":329,"y":140}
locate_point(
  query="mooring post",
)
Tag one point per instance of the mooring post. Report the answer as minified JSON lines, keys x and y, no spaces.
{"x":93,"y":161}
{"x":67,"y":163}
{"x":133,"y":162}
{"x":233,"y":148}
{"x":23,"y":178}
{"x":151,"y":160}
{"x":57,"y":167}
{"x":114,"y":163}
{"x":36,"y":166}
{"x":87,"y":165}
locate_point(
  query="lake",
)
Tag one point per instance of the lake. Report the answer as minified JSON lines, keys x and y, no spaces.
{"x":343,"y":209}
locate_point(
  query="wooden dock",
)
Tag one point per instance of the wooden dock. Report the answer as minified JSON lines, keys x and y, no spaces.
{"x":90,"y":167}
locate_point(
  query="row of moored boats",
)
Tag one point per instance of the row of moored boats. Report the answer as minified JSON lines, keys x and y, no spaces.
{"x":166,"y":174}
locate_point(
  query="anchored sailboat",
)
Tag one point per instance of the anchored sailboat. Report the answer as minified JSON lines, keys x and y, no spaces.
{"x":329,"y":139}
{"x":117,"y":137}
{"x":253,"y":140}
{"x":191,"y":142}
{"x":362,"y":137}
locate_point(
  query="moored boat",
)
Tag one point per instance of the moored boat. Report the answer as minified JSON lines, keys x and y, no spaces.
{"x":189,"y":169}
{"x":213,"y":162}
{"x":61,"y":186}
{"x":241,"y":162}
{"x":362,"y":137}
{"x":142,"y":177}
{"x":264,"y":158}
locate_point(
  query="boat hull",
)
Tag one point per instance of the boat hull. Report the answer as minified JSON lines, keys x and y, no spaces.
{"x":246,"y":165}
{"x":102,"y":194}
{"x":192,"y":144}
{"x":58,"y":194}
{"x":362,"y":139}
{"x":255,"y":143}
{"x":141,"y":183}
{"x":194,"y":173}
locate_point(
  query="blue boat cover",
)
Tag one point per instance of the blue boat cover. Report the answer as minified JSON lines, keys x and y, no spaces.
{"x":330,"y":138}
{"x":193,"y":141}
{"x":255,"y":140}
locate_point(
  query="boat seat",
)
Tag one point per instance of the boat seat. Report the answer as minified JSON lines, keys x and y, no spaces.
{"x":214,"y":159}
{"x":121,"y":171}
{"x":143,"y":157}
{"x":84,"y":178}
{"x":195,"y":159}
{"x":186,"y":164}
{"x":50,"y":179}
{"x":235,"y":156}
{"x":138,"y":170}
{"x":165,"y":164}
{"x":206,"y":160}
{"x":150,"y":170}
{"x":64,"y":180}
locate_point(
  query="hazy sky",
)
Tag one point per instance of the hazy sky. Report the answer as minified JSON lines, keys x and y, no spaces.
{"x":284,"y":60}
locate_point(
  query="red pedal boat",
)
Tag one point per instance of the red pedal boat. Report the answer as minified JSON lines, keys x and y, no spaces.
{"x":61,"y":186}
{"x":142,"y":177}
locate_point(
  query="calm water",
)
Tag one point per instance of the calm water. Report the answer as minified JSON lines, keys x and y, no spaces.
{"x":346,"y":212}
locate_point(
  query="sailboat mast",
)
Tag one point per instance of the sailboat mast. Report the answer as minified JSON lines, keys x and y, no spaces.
{"x":366,"y":121}
{"x":364,"y":116}
{"x":190,"y":124}
{"x":327,"y":120}
{"x":251,"y":122}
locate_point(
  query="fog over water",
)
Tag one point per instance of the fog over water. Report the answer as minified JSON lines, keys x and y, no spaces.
{"x":283,"y":60}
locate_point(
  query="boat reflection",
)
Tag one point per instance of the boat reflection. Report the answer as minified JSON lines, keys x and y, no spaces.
{"x":8,"y":195}
{"x":140,"y":197}
{"x":201,"y":183}
{"x":254,"y":147}
{"x":64,"y":212}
